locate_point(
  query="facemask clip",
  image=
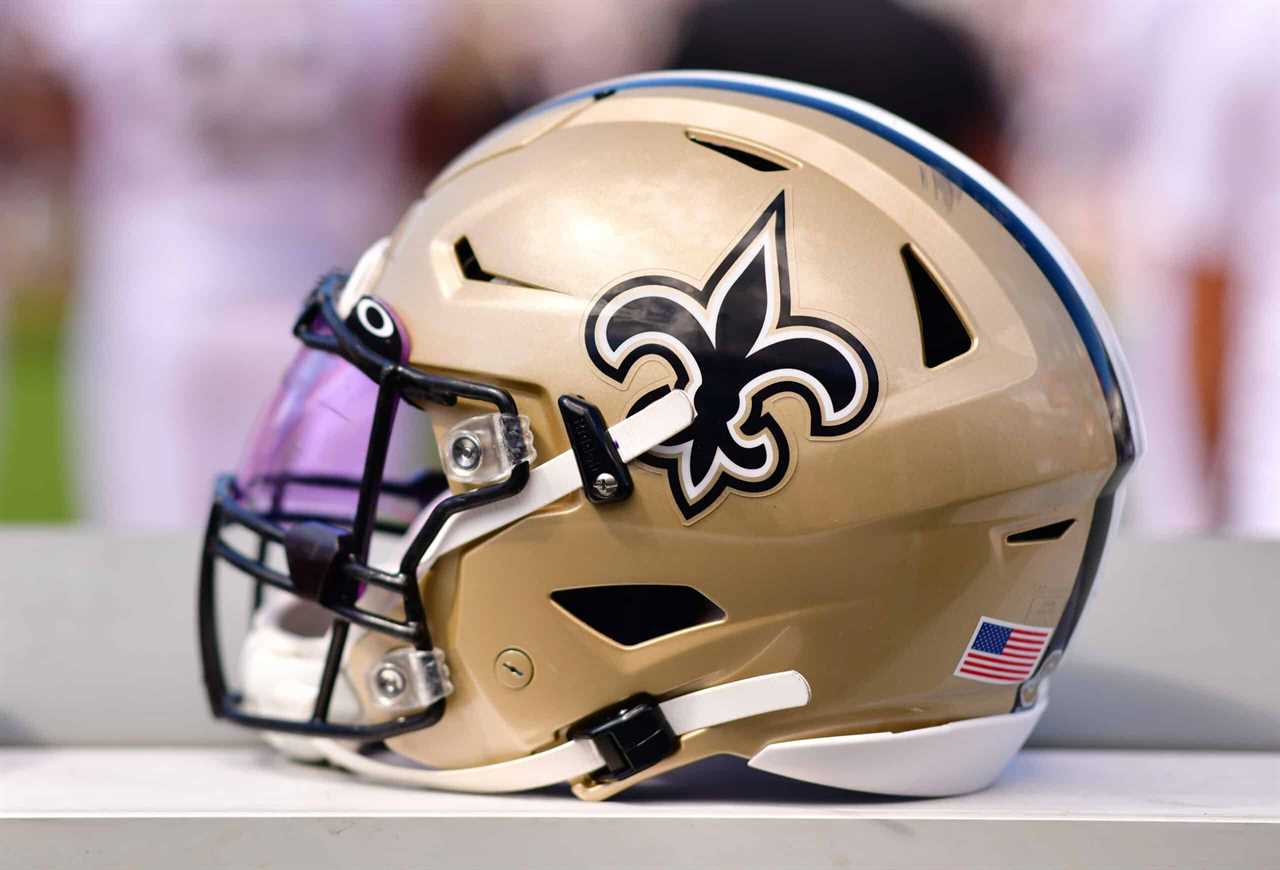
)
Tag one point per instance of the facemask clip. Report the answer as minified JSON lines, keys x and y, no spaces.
{"x":484,"y":449}
{"x":407,"y":680}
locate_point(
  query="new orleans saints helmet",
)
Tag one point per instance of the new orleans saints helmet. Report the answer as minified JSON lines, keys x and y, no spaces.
{"x":768,"y":425}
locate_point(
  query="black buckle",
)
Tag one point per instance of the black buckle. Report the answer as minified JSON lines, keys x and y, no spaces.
{"x":605,"y":478}
{"x":631,"y":736}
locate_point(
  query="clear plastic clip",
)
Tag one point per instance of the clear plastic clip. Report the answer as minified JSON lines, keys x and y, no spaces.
{"x":407,"y":680}
{"x":484,"y":449}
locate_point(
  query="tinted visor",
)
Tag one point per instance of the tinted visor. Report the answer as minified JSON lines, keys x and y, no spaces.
{"x":306,"y":456}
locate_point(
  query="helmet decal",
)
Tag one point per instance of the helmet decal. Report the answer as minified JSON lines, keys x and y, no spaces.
{"x":733,"y":344}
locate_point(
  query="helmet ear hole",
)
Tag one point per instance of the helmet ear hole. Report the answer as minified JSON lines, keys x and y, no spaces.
{"x":632,"y":614}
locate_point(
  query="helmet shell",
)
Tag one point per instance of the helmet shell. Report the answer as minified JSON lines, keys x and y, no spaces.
{"x":866,"y":565}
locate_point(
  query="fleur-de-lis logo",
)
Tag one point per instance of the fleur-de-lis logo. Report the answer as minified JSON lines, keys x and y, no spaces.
{"x":733,"y":344}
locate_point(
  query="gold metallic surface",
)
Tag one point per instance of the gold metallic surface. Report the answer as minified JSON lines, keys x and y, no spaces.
{"x":869,"y":568}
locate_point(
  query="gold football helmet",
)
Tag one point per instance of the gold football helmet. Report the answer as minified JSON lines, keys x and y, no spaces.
{"x":768,"y":426}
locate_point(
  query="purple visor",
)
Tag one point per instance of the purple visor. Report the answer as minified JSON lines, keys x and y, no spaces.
{"x":307,"y":452}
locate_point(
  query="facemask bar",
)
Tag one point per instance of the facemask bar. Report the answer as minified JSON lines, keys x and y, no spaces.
{"x":328,"y":563}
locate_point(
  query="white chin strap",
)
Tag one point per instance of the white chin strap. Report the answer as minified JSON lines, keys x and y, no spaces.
{"x":578,"y":758}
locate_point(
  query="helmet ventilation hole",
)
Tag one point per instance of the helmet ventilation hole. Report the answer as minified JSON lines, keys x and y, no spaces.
{"x":943,"y":335}
{"x":469,"y":264}
{"x":632,"y":614}
{"x":748,"y":155}
{"x":1040,"y":534}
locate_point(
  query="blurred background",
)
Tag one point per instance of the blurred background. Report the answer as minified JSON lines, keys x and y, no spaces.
{"x":174,"y":174}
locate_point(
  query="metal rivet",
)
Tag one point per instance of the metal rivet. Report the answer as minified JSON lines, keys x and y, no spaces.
{"x":605,"y":485}
{"x":513,"y":668}
{"x":465,"y":452}
{"x":390,"y":682}
{"x":1051,"y":663}
{"x":1029,"y":691}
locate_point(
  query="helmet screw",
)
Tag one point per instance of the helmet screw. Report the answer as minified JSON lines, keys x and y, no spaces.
{"x":465,"y":452}
{"x":513,"y":668}
{"x":390,"y":681}
{"x":605,"y":485}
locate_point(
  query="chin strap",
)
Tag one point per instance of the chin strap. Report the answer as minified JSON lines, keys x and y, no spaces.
{"x":578,"y":758}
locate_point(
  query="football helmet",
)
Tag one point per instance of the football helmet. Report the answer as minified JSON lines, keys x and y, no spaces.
{"x":768,"y":425}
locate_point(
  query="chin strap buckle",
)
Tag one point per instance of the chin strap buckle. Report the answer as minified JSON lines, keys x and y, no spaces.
{"x":631,"y":736}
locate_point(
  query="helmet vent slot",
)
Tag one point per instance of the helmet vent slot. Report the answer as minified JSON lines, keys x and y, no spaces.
{"x":633,"y":614}
{"x":469,"y":264}
{"x":1040,"y":534}
{"x":748,"y":155}
{"x":943,"y":335}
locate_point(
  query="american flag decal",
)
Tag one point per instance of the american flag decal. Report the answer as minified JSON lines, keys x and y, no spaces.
{"x":1003,"y":652}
